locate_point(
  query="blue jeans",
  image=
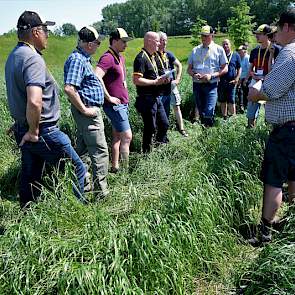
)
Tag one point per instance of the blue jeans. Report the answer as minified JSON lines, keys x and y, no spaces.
{"x":253,"y":110}
{"x":166,"y":99}
{"x":52,"y":146}
{"x":206,"y":97}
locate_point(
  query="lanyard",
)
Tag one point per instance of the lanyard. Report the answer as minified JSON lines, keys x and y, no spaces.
{"x":229,"y":59}
{"x":163,"y":57}
{"x":122,"y":67}
{"x":30,"y":45}
{"x":152,"y":62}
{"x":258,"y":62}
{"x":205,"y":57}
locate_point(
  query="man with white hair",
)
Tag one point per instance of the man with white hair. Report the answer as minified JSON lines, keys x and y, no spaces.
{"x":86,"y":94}
{"x":171,"y":95}
{"x":148,"y":101}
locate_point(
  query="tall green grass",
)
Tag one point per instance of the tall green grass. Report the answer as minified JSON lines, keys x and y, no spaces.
{"x":172,"y":225}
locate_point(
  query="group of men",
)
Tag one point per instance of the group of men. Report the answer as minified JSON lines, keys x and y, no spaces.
{"x":33,"y":101}
{"x":34,"y":104}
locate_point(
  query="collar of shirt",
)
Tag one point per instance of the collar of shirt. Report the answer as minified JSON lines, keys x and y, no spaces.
{"x":22,"y":43}
{"x":83,"y":52}
{"x":209,"y":46}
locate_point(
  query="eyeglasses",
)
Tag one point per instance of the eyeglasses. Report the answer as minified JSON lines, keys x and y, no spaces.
{"x":96,"y":42}
{"x":44,"y":29}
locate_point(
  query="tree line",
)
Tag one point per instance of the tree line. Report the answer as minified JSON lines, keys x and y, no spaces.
{"x":176,"y":17}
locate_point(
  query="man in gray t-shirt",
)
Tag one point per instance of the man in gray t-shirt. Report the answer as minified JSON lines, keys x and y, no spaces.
{"x":33,"y":102}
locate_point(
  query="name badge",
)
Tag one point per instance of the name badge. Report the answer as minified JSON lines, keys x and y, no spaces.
{"x":259,"y":72}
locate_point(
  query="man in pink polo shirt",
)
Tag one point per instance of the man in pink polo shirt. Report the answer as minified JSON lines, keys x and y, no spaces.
{"x":111,"y":69}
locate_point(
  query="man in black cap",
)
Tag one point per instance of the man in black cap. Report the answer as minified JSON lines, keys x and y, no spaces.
{"x":278,"y":90}
{"x":34,"y":104}
{"x":86,"y":94}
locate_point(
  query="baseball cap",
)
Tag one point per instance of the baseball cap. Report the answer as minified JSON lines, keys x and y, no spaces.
{"x":30,"y":19}
{"x":120,"y":33}
{"x":89,"y":34}
{"x":263,"y":29}
{"x":206,"y":30}
{"x":242,"y":47}
{"x":287,"y":16}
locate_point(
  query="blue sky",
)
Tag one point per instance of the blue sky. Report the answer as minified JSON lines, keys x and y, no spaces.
{"x":77,"y":12}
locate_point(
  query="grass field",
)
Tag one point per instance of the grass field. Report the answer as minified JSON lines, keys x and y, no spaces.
{"x":175,"y":224}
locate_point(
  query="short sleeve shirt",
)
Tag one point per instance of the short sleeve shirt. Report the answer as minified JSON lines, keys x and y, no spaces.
{"x":145,"y":66}
{"x":259,"y":63}
{"x":78,"y":72}
{"x":234,"y":64}
{"x":165,"y":61}
{"x":245,"y":64}
{"x":115,"y":75}
{"x":26,"y":67}
{"x":207,"y":60}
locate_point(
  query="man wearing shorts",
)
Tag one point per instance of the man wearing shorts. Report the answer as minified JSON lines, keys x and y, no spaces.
{"x":278,"y":90}
{"x":111,"y":68}
{"x":229,"y":81}
{"x":172,"y":97}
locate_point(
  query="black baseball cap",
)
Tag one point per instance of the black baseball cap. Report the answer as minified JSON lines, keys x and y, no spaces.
{"x":287,"y":16}
{"x":263,"y":29}
{"x":89,"y":34}
{"x":120,"y":33}
{"x":30,"y":19}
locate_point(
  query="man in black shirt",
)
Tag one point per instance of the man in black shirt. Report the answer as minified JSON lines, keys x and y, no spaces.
{"x":148,"y":102}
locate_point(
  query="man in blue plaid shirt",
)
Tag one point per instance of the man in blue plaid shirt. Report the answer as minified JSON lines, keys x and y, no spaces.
{"x":278,"y":90}
{"x":86,"y":94}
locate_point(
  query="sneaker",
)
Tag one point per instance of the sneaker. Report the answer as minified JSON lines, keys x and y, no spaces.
{"x":183,"y":133}
{"x":265,"y":231}
{"x":114,"y":170}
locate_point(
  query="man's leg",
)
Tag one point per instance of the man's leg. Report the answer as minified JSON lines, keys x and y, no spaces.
{"x":198,"y":104}
{"x":125,"y":138}
{"x":211,"y":99}
{"x":162,"y":122}
{"x":231,"y":100}
{"x":30,"y":176}
{"x":252,"y":113}
{"x":272,"y":199}
{"x":166,"y":104}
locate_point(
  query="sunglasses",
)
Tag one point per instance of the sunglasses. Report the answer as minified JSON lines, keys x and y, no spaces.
{"x":96,"y":42}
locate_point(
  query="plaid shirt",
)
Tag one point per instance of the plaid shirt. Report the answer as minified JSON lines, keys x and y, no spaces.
{"x":79,"y":73}
{"x":279,"y":87}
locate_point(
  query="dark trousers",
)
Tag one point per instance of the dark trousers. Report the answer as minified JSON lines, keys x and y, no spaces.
{"x":52,"y":146}
{"x":242,"y":92}
{"x":154,"y":119}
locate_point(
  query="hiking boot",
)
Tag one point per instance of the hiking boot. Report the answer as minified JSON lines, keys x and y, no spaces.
{"x":263,"y":236}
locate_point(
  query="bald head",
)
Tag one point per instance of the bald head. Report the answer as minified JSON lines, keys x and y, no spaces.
{"x":151,"y":41}
{"x":226,"y":45}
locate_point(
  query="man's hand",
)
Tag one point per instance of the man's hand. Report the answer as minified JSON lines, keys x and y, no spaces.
{"x":162,"y":80}
{"x":235,"y":81}
{"x":253,"y":94}
{"x":29,"y":137}
{"x":197,"y":76}
{"x":206,"y":77}
{"x":114,"y":100}
{"x":89,"y":112}
{"x":176,"y":81}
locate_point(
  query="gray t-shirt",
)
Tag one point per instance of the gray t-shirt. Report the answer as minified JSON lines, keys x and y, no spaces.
{"x":26,"y":67}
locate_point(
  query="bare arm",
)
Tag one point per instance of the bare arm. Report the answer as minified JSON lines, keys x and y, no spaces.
{"x":178,"y":66}
{"x":33,"y":113}
{"x":138,"y":80}
{"x":100,"y":74}
{"x":75,"y":99}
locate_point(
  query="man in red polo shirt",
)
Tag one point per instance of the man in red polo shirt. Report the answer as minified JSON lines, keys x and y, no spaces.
{"x":111,"y":68}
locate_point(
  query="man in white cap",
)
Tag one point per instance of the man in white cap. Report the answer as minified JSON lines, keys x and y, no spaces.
{"x":206,"y":64}
{"x":86,"y":94}
{"x":111,"y":68}
{"x":33,"y":102}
